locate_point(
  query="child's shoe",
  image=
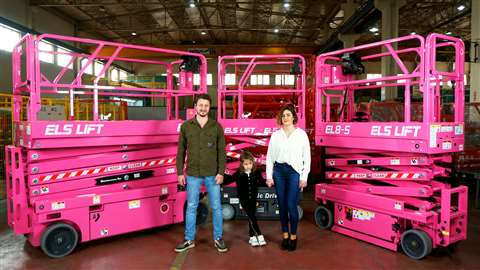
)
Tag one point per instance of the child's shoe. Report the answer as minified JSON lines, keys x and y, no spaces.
{"x":261,"y":240}
{"x":253,"y":241}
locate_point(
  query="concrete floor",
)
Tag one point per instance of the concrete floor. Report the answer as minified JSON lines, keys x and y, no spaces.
{"x":317,"y":249}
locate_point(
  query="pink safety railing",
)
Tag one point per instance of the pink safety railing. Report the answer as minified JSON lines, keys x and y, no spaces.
{"x":248,"y":110}
{"x":423,"y":76}
{"x":29,"y":76}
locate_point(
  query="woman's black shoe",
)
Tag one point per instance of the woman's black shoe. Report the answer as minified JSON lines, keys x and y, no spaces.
{"x":293,"y":245}
{"x":285,"y":244}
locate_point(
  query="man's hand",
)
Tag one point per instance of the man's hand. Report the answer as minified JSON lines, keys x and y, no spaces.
{"x":181,"y":180}
{"x":219,"y":179}
{"x":269,"y":183}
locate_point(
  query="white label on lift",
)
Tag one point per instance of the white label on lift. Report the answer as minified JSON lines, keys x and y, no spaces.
{"x":460,"y":147}
{"x":447,"y":145}
{"x":134,"y":204}
{"x":398,"y":206}
{"x":446,"y":129}
{"x":29,"y":130}
{"x":96,"y":199}
{"x":234,"y":200}
{"x":170,"y":170}
{"x":164,"y":190}
{"x":362,"y":214}
{"x":459,"y":130}
{"x":433,"y":135}
{"x":395,"y":161}
{"x":58,"y":205}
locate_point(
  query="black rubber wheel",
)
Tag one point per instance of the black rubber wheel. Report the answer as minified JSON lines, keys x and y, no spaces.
{"x":228,"y":211}
{"x":300,"y":212}
{"x":323,"y":217}
{"x":59,"y":240}
{"x":202,"y":213}
{"x":416,"y":244}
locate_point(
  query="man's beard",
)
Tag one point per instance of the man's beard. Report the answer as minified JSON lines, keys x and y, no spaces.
{"x":202,"y":114}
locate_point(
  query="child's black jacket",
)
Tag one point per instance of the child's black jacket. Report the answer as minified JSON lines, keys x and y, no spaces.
{"x":247,"y":186}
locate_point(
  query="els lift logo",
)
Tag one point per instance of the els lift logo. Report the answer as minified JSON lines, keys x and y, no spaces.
{"x":73,"y":129}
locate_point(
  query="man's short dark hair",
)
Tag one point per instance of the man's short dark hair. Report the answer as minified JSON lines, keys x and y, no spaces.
{"x":202,"y":96}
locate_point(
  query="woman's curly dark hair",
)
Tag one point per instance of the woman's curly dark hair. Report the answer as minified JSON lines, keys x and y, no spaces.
{"x":290,"y":108}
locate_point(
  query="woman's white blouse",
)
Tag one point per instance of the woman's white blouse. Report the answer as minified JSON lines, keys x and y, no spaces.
{"x":293,"y":150}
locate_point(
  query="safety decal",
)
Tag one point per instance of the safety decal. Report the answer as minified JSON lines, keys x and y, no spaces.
{"x":134,"y":204}
{"x":96,"y":199}
{"x":395,"y":161}
{"x":58,"y":205}
{"x":362,"y":214}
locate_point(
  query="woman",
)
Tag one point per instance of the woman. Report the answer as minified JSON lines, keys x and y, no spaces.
{"x":288,"y":165}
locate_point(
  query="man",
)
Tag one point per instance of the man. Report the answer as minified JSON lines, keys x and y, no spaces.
{"x":202,"y":139}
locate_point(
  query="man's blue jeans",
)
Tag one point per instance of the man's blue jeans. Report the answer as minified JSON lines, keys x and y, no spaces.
{"x":193,"y":192}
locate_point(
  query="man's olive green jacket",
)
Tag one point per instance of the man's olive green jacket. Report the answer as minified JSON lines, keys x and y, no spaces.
{"x":204,"y":148}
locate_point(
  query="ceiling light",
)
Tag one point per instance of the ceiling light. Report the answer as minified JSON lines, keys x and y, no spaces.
{"x":275,"y":30}
{"x":134,"y":33}
{"x":286,"y":5}
{"x":376,"y":34}
{"x":203,"y":33}
{"x":461,"y":7}
{"x":373,"y":29}
{"x":192,"y":5}
{"x":448,"y":33}
{"x":413,"y":33}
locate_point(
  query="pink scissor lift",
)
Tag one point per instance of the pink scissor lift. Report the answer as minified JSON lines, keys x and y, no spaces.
{"x":72,"y":181}
{"x":247,"y":109}
{"x":385,"y":179}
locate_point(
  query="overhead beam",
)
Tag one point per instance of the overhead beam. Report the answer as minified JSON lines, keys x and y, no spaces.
{"x":304,"y":13}
{"x":267,"y":31}
{"x":206,"y":23}
{"x":166,"y":6}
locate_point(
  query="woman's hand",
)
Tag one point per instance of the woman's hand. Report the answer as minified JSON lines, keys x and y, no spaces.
{"x":302,"y":184}
{"x":269,"y":183}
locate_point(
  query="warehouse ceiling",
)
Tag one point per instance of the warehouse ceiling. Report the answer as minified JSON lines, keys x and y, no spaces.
{"x":308,"y":22}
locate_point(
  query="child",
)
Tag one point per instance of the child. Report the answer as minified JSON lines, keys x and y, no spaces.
{"x":248,"y":179}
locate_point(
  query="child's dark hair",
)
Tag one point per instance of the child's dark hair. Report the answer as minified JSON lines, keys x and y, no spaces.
{"x":246,"y":156}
